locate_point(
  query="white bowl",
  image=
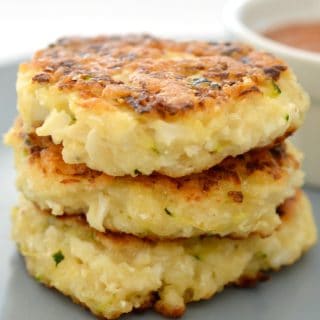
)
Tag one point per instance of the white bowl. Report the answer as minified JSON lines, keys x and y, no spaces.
{"x":246,"y":20}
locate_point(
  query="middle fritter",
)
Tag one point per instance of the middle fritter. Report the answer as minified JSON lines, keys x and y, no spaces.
{"x":237,"y":197}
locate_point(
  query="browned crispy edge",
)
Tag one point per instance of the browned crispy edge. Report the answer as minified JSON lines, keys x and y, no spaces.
{"x":47,"y":156}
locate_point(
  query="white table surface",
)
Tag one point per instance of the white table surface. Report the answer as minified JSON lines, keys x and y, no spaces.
{"x":27,"y":25}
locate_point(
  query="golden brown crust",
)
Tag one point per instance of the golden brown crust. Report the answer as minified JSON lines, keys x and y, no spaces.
{"x":177,"y":312}
{"x":252,"y":281}
{"x":152,"y":75}
{"x":269,"y":161}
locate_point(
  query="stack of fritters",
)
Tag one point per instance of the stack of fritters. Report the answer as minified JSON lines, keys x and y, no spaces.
{"x":155,"y":172}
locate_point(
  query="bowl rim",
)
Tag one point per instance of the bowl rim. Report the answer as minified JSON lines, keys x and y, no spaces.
{"x":232,"y":20}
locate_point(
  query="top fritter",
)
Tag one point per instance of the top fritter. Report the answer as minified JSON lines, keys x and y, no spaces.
{"x":138,"y":104}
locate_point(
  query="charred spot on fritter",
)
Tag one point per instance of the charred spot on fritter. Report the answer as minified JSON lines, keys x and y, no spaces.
{"x":249,"y":90}
{"x":268,"y":160}
{"x":48,"y":157}
{"x":281,"y":210}
{"x":252,"y":282}
{"x":286,"y":208}
{"x":236,"y":196}
{"x":42,"y":77}
{"x":274,"y":71}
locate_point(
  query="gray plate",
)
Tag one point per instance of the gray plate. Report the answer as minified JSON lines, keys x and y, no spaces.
{"x":293,"y":293}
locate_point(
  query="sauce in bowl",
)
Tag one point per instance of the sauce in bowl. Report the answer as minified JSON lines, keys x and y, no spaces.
{"x":304,"y":36}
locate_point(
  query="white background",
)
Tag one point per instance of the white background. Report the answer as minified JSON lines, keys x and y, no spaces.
{"x":27,"y":25}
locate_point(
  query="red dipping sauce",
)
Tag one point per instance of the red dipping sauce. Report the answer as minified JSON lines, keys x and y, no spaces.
{"x":304,"y":36}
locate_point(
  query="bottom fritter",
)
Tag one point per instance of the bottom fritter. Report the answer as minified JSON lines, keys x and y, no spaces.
{"x":113,"y":274}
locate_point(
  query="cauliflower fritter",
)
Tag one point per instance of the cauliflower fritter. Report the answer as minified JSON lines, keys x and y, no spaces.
{"x":138,"y":103}
{"x":112,"y":275}
{"x":237,"y":197}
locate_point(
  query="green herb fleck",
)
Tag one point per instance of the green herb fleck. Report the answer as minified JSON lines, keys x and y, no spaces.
{"x":276,"y":89}
{"x":206,"y":82}
{"x":92,"y":235}
{"x":215,"y":85}
{"x":155,"y":150}
{"x":197,"y":81}
{"x":137,"y":172}
{"x":25,"y":152}
{"x":287,"y":117}
{"x":39,"y":278}
{"x":86,"y":77}
{"x":168,"y":212}
{"x":58,"y":257}
{"x":27,"y":142}
{"x":188,"y":294}
{"x":197,"y":257}
{"x":261,"y":255}
{"x":73,"y":119}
